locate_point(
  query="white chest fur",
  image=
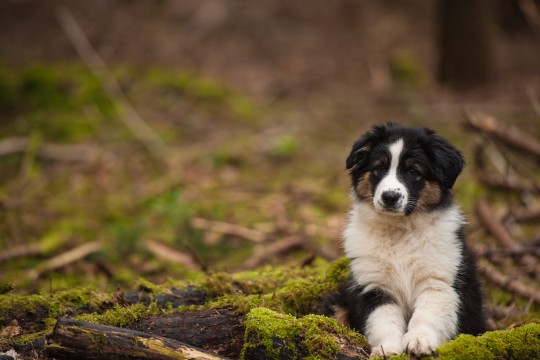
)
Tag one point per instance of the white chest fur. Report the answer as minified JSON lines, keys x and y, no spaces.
{"x":401,"y":254}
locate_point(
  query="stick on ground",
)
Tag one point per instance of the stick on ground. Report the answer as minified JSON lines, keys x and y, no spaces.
{"x":508,"y":283}
{"x":511,"y":136}
{"x":503,"y":236}
{"x":66,"y":258}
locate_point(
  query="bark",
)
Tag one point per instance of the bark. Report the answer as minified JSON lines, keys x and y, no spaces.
{"x":219,"y":330}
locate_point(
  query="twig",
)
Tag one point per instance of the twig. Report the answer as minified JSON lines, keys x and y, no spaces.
{"x":509,"y":283}
{"x":20,"y":251}
{"x":133,"y":121}
{"x":265,"y":252}
{"x":534,"y":99}
{"x":503,"y":312}
{"x":532,"y":15}
{"x":525,"y":214}
{"x":510,"y":252}
{"x":255,"y":236}
{"x":488,"y":218}
{"x":48,"y":151}
{"x":66,"y":258}
{"x":511,"y":136}
{"x":166,"y":252}
{"x":506,"y":183}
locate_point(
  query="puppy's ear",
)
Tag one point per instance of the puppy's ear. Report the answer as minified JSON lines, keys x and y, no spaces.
{"x":447,"y":160}
{"x":362,"y":146}
{"x":358,"y":154}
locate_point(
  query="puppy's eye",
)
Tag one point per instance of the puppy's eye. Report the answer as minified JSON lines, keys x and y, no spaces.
{"x":379,"y":170}
{"x":414,"y":173}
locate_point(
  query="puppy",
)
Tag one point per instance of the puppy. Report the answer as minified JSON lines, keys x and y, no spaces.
{"x":413,"y":282}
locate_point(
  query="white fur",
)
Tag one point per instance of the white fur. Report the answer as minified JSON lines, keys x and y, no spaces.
{"x":390,"y":182}
{"x":385,"y":329}
{"x":414,"y":258}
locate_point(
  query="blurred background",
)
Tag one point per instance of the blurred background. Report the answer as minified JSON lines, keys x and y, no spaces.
{"x":158,"y":139}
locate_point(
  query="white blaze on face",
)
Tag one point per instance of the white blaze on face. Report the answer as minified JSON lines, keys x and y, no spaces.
{"x":390,"y":182}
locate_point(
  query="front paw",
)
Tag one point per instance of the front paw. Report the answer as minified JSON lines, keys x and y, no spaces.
{"x":420,"y":343}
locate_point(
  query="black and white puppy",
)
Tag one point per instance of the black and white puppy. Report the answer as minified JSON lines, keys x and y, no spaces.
{"x":413,"y":281}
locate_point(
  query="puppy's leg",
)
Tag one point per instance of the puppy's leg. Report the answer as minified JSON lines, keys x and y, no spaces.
{"x":434,"y":318}
{"x":384,"y":330}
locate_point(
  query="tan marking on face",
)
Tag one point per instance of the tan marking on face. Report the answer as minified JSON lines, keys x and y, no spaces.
{"x":363,"y":188}
{"x":409,"y":163}
{"x":429,"y":195}
{"x":341,"y":315}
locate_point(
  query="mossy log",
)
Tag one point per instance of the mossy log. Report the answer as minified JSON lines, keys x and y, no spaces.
{"x":81,"y":340}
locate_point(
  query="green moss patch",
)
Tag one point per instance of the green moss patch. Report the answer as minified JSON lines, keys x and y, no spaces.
{"x":518,"y":343}
{"x":36,"y":314}
{"x":122,"y":316}
{"x":39,"y":308}
{"x":284,"y":336}
{"x":300,"y":295}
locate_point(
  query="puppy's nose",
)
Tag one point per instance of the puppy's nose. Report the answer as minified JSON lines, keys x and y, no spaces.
{"x":390,"y":198}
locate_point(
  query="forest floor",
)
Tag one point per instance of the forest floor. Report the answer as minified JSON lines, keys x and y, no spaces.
{"x":177,"y":174}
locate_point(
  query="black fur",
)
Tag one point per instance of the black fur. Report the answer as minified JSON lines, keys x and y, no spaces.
{"x":358,"y":305}
{"x":471,"y":318}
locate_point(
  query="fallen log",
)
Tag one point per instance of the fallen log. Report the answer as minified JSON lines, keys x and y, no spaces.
{"x":76,"y":339}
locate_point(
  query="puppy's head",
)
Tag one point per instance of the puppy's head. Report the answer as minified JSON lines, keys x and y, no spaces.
{"x":402,"y":170}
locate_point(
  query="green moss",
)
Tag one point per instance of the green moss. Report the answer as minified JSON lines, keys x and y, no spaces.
{"x":6,"y":288}
{"x":122,"y":316}
{"x":316,"y":335}
{"x":37,"y":313}
{"x":50,"y":305}
{"x":285,"y":147}
{"x":319,"y":339}
{"x":22,"y":340}
{"x":263,"y":326}
{"x":518,"y":343}
{"x":406,"y":69}
{"x":298,"y":296}
{"x":150,"y":287}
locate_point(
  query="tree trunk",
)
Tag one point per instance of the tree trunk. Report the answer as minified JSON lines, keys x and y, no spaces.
{"x":466,"y":43}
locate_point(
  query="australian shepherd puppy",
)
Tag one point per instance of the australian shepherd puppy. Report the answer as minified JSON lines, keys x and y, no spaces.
{"x":413,"y":281}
